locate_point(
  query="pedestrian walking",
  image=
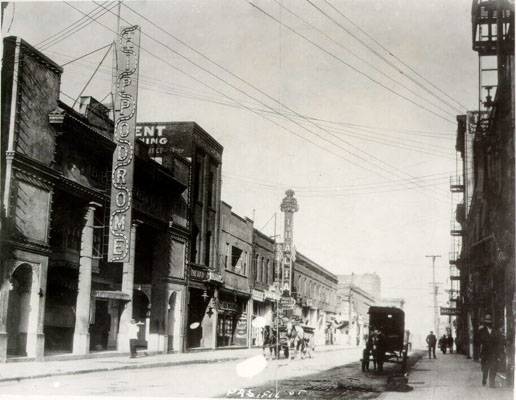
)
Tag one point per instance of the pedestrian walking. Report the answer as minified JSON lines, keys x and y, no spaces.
{"x":133,"y":337}
{"x":450,"y":343}
{"x":491,"y":351}
{"x":443,"y":343}
{"x":431,"y":341}
{"x":269,"y":341}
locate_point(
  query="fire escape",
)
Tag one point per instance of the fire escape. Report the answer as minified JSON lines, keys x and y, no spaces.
{"x":491,"y":24}
{"x":458,"y":219}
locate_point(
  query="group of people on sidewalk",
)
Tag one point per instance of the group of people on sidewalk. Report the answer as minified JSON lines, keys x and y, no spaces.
{"x":445,"y":343}
{"x":492,"y":349}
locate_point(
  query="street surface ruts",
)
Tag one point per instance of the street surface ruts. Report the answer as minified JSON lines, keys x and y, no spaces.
{"x":329,"y":375}
{"x":342,"y":382}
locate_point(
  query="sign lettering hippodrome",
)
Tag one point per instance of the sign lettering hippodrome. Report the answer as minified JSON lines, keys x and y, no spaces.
{"x":128,"y":52}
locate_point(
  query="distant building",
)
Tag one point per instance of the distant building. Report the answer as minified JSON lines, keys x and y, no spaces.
{"x":371,"y":283}
{"x":315,"y":290}
{"x":233,"y":301}
{"x":264,"y":294}
{"x":353,"y":304}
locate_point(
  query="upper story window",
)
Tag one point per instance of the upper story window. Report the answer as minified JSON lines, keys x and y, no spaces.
{"x":211,"y":189}
{"x":256,"y":268}
{"x":236,"y":262}
{"x":198,"y":179}
{"x":226,"y":256}
{"x":207,"y":249}
{"x":264,"y":271}
{"x":244,"y":263}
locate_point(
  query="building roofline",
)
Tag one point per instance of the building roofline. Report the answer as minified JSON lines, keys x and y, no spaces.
{"x":263,"y":235}
{"x":357,"y":289}
{"x":316,"y":265}
{"x":33,"y":51}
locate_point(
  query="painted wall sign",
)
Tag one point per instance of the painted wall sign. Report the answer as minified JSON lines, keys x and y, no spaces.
{"x":128,"y":52}
{"x":165,"y":138}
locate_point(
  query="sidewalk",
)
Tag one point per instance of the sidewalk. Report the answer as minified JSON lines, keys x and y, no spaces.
{"x":41,"y":369}
{"x":450,"y":377}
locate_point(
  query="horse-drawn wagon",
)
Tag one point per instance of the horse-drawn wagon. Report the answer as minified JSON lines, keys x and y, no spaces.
{"x":290,"y":337}
{"x":388,"y":340}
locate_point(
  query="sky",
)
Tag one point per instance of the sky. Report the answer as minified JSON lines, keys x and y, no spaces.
{"x":298,"y":101}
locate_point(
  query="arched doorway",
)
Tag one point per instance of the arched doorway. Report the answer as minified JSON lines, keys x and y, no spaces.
{"x":171,"y":321}
{"x":18,"y":311}
{"x":141,"y":314}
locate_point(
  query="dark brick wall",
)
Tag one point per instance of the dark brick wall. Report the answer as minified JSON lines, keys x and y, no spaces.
{"x":38,"y":93}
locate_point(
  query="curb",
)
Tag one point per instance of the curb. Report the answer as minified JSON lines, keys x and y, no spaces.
{"x":119,"y":368}
{"x":159,"y":364}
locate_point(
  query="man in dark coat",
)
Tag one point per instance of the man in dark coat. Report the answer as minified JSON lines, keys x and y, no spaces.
{"x":431,"y":341}
{"x":380,"y":349}
{"x":491,"y":350}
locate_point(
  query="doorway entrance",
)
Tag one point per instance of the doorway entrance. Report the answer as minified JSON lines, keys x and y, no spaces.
{"x":19,"y":310}
{"x":99,"y":330}
{"x":171,"y":321}
{"x":141,"y":314}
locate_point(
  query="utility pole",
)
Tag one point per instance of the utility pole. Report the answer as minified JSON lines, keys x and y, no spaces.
{"x":435,"y":290}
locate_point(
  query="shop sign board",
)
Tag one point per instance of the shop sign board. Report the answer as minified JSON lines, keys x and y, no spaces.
{"x":124,"y":137}
{"x":215,"y":277}
{"x":271,"y":295}
{"x":258,"y":295}
{"x":449,"y":311}
{"x":241,"y":328}
{"x":198,"y":274}
{"x":287,"y":303}
{"x":228,"y":306}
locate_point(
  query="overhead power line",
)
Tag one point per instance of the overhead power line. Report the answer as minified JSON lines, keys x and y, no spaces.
{"x":86,"y":55}
{"x":396,"y":57}
{"x":304,"y":37}
{"x":394,"y":66}
{"x":230,"y":98}
{"x":94,"y":72}
{"x":368,"y":63}
{"x":72,"y":29}
{"x":262,"y":92}
{"x":240,"y":90}
{"x":267,"y":95}
{"x":191,"y":93}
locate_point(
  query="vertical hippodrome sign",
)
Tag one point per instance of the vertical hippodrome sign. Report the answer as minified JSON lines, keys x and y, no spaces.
{"x":124,"y":136}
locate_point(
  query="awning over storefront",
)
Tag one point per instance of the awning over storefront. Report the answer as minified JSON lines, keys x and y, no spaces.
{"x":112,"y":295}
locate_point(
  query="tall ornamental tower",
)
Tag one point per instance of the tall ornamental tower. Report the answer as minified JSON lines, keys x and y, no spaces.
{"x":288,"y":207}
